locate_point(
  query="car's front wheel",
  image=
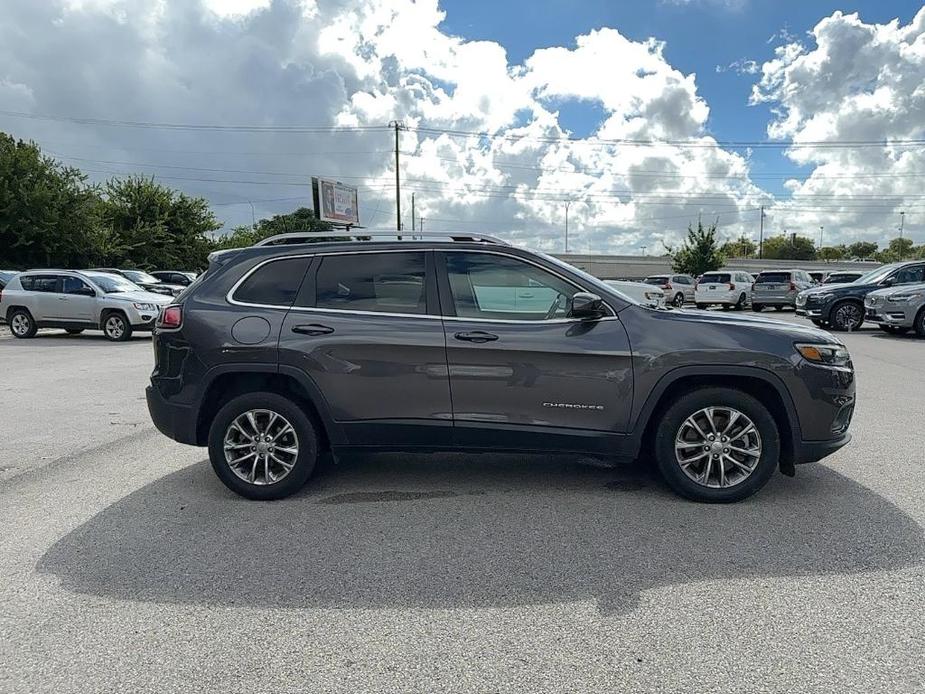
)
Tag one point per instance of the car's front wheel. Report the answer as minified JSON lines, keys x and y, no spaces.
{"x":919,"y":324}
{"x":717,"y":445}
{"x":847,"y":315}
{"x":116,"y":327}
{"x":262,"y":446}
{"x":21,"y":324}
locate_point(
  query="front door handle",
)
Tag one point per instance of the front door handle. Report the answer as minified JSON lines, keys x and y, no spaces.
{"x":312,"y":329}
{"x":476,"y":336}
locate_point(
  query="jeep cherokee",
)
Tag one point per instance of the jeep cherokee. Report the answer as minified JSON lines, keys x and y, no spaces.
{"x":305,"y":344}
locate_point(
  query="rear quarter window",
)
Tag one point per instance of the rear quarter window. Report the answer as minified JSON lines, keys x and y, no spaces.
{"x":275,"y":283}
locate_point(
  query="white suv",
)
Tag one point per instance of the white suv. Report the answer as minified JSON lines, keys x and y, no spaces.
{"x":78,"y":301}
{"x":724,"y":287}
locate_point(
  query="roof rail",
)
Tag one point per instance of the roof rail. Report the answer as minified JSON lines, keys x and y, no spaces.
{"x":377,"y":235}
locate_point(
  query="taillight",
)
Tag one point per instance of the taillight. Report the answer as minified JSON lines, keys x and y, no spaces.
{"x":793,"y":287}
{"x":170,"y":318}
{"x":667,"y":285}
{"x":731,"y":286}
{"x":753,"y":286}
{"x":696,"y":284}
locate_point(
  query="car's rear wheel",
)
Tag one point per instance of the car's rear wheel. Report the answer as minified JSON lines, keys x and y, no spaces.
{"x":847,"y":315}
{"x":717,"y":445}
{"x":21,"y":324}
{"x":702,"y":307}
{"x":757,"y":308}
{"x":740,"y":304}
{"x":262,"y":446}
{"x":116,"y":327}
{"x":678,"y":300}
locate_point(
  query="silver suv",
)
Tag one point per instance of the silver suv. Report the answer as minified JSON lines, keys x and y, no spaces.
{"x":78,"y":301}
{"x":779,"y":288}
{"x":897,"y":309}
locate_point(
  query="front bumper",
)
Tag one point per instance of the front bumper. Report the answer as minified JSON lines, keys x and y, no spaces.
{"x":175,"y":421}
{"x":812,"y":451}
{"x":885,"y":314}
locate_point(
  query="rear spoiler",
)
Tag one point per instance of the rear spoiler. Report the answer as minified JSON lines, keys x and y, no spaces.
{"x":223,"y":256}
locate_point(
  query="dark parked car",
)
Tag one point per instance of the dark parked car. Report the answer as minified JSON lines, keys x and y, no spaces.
{"x":841,"y":306}
{"x":144,"y":280}
{"x":176,"y":277}
{"x":280,"y":352}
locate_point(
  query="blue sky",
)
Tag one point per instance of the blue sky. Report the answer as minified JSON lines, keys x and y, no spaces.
{"x":699,"y":35}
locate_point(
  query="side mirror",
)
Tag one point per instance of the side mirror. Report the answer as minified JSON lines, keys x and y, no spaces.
{"x":586,"y":306}
{"x":85,"y":291}
{"x":888,"y":282}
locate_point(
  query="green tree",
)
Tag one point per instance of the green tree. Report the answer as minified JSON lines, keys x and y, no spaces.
{"x":700,"y":252}
{"x":897,"y":249}
{"x":832,"y":253}
{"x":789,"y":247}
{"x":862,"y":249}
{"x":739,"y":248}
{"x":149,"y":226}
{"x":48,"y":212}
{"x":302,"y":219}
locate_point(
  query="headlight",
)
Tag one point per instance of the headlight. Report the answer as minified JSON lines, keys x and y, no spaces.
{"x":824,"y":354}
{"x":911,"y":296}
{"x":145,"y":307}
{"x":825,"y":296}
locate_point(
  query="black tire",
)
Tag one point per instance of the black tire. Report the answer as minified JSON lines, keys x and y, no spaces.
{"x":778,"y":308}
{"x":702,"y":307}
{"x":846,"y":315}
{"x":74,"y":331}
{"x":22,"y":325}
{"x":918,"y":325}
{"x":740,"y":304}
{"x":306,"y":438}
{"x":757,"y":308}
{"x":116,"y":327}
{"x":693,"y":401}
{"x":819,"y":323}
{"x":678,"y":300}
{"x":726,"y":307}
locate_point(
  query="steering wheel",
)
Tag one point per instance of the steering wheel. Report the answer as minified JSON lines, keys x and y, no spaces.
{"x":551,"y":313}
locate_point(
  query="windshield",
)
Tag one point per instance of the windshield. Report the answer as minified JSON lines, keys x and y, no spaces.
{"x":140,"y":277}
{"x":876,"y":275}
{"x":842,"y":278}
{"x":113,"y":284}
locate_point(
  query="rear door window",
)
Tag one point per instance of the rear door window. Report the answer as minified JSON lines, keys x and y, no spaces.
{"x":72,"y":285}
{"x":274,"y":284}
{"x":376,"y":282}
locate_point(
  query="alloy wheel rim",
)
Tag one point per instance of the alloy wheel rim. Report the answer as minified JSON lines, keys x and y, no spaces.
{"x":847,"y":316}
{"x":261,"y":447}
{"x":718,"y":447}
{"x":114,"y":326}
{"x":20,"y":324}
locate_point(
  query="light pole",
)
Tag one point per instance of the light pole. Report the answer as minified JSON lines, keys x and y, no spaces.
{"x":643,"y":249}
{"x":902,"y":225}
{"x":567,"y":203}
{"x":820,"y":236}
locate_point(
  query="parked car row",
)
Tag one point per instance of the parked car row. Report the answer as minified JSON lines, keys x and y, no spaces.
{"x":78,"y":300}
{"x":892,"y":296}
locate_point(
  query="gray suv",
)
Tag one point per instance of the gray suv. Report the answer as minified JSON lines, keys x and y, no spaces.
{"x":293,"y":348}
{"x":779,"y":288}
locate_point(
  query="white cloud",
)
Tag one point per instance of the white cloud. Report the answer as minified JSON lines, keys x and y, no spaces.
{"x":367,"y":62}
{"x":859,"y":82}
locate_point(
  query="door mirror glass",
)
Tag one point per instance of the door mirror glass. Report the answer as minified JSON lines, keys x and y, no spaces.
{"x":84,"y":291}
{"x":888,"y":282}
{"x":586,"y":305}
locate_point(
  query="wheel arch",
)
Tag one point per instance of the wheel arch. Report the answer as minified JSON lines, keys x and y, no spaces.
{"x":751,"y":380}
{"x":229,"y":381}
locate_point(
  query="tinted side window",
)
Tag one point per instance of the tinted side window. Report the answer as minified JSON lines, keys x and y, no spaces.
{"x":379,"y":282}
{"x":274,"y":284}
{"x":485,"y":285}
{"x":909,"y":274}
{"x":72,"y":285}
{"x":39,"y":283}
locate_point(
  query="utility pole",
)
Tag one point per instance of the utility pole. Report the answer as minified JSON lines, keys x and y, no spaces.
{"x":761,"y":232}
{"x":820,"y":236}
{"x":398,"y":125}
{"x":902,"y":225}
{"x":421,"y":225}
{"x":567,"y":203}
{"x":412,"y":212}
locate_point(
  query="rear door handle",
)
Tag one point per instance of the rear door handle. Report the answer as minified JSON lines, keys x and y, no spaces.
{"x":476,"y":336}
{"x":312,"y":329}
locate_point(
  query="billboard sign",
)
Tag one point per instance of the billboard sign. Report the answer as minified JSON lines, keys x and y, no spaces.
{"x":335,"y":202}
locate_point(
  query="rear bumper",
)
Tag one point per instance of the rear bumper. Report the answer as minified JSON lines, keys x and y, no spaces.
{"x":812,"y":451}
{"x":175,"y":421}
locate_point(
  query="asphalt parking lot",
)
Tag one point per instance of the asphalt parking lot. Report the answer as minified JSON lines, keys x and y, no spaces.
{"x":126,"y":566}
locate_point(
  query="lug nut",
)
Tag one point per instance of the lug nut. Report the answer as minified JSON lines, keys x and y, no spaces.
{"x":725,"y":450}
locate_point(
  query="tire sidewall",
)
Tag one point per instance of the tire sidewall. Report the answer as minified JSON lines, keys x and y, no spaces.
{"x":305,"y":431}
{"x":33,"y":328}
{"x":685,"y":406}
